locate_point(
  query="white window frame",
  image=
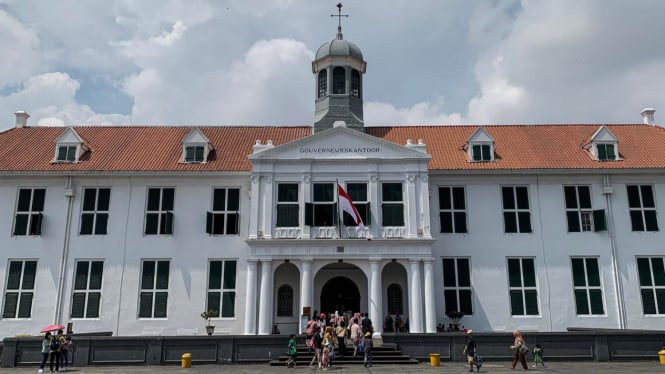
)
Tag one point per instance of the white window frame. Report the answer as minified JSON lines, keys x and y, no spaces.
{"x":597,"y":145}
{"x":87,"y":291}
{"x":69,"y":147}
{"x":222,"y":290}
{"x":295,"y":203}
{"x":20,"y":290}
{"x":317,"y":204}
{"x":642,"y":209}
{"x":162,"y":213}
{"x":224,"y":214}
{"x":195,"y":160}
{"x":586,"y":287}
{"x":522,"y":288}
{"x":457,"y":288}
{"x":95,"y":212}
{"x":32,"y":214}
{"x":653,"y":287}
{"x":453,"y":210}
{"x":154,"y":290}
{"x":584,"y":215}
{"x":516,"y":210}
{"x":393,"y":202}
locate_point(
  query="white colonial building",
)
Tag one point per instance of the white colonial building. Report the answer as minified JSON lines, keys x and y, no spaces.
{"x":137,"y":230}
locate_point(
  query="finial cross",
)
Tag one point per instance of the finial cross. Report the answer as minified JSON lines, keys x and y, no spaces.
{"x":339,"y":16}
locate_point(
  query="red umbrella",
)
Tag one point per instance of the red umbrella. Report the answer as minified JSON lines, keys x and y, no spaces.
{"x":53,"y":328}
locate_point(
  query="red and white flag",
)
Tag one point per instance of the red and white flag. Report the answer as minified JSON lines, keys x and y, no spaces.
{"x":347,"y":205}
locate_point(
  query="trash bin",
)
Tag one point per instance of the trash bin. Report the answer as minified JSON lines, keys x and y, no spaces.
{"x":434,"y":359}
{"x":186,"y":360}
{"x":661,"y":356}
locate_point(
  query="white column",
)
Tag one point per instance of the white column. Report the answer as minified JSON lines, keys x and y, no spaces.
{"x":375,"y":301}
{"x":305,"y":286}
{"x":254,"y":204}
{"x":250,"y":299}
{"x":265,"y":299}
{"x":267,"y":207}
{"x":415,"y":307}
{"x":411,"y":206}
{"x":430,"y":307}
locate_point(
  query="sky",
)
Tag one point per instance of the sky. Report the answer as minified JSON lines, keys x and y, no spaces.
{"x":242,"y":62}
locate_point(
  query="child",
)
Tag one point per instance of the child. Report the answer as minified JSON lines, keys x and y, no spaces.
{"x":292,"y":352}
{"x":538,"y":356}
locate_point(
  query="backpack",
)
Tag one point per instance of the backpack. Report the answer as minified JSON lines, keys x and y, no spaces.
{"x":54,"y":345}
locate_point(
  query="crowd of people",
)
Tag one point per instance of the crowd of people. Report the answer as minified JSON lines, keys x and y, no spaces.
{"x":332,"y":336}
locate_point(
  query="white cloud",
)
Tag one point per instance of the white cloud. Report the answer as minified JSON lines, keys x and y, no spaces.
{"x":20,"y":56}
{"x":423,"y":113}
{"x":51,"y":99}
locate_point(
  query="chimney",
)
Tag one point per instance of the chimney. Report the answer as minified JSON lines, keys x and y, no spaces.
{"x":21,"y":119}
{"x":647,"y":116}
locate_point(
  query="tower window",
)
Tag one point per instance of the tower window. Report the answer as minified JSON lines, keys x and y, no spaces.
{"x":323,"y":83}
{"x":355,"y":83}
{"x":339,"y":80}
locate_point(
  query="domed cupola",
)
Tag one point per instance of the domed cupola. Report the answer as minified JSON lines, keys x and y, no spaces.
{"x":338,"y":68}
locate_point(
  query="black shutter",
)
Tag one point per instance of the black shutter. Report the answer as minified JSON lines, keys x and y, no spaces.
{"x":209,"y":218}
{"x":168,"y":227}
{"x":335,"y":214}
{"x":36,"y":224}
{"x":78,"y":305}
{"x":237,"y":223}
{"x":599,"y":223}
{"x":309,"y":214}
{"x":368,"y":216}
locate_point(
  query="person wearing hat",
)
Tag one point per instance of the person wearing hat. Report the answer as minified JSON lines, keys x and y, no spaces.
{"x":470,"y":350}
{"x":367,"y":344}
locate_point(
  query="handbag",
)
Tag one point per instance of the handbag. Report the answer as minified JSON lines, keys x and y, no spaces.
{"x":478,"y":361}
{"x":523,"y":349}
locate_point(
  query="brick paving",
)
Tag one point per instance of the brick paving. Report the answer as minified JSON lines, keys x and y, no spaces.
{"x":446,"y":367}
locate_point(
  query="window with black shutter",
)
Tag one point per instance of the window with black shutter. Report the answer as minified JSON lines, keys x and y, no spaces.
{"x":29,"y":212}
{"x":651,"y":272}
{"x":457,"y":293}
{"x":19,"y":290}
{"x":452,"y":210}
{"x":224,"y":219}
{"x":516,"y":212}
{"x":153,"y":298}
{"x":159,"y":211}
{"x":87,"y":294}
{"x":285,"y":301}
{"x":392,"y":207}
{"x":587,"y":289}
{"x":221,"y":288}
{"x":523,"y":292}
{"x":287,"y":205}
{"x":642,"y":208}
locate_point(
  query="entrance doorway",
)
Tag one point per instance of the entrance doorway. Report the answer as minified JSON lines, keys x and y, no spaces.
{"x":340,"y":294}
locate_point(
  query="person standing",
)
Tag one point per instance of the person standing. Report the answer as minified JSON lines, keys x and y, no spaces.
{"x":538,"y":356}
{"x":65,"y":343}
{"x":367,"y":325}
{"x":388,"y":323}
{"x":317,"y":342}
{"x":367,"y":345}
{"x":309,"y":332}
{"x":45,"y":351}
{"x":470,"y":350}
{"x":519,"y":345}
{"x":292,"y":352}
{"x":340,"y":331}
{"x":54,"y":353}
{"x":356,"y":335}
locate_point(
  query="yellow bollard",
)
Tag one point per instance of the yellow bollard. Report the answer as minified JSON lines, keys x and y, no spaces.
{"x":186,"y":360}
{"x":434,"y":359}
{"x":661,"y":356}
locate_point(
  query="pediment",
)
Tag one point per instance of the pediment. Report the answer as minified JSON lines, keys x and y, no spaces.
{"x":195,"y":136}
{"x":480,"y":136}
{"x":340,"y":143}
{"x":603,"y":134}
{"x":69,"y":136}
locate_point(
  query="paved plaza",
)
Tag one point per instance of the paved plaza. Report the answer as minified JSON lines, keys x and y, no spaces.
{"x":446,"y":367}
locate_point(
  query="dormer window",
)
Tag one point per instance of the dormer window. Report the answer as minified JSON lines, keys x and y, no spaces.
{"x":605,"y":152}
{"x":480,"y":146}
{"x":195,"y":147}
{"x":66,"y":153}
{"x":69,"y":147}
{"x":482,"y":152}
{"x":194,"y":153}
{"x":603,"y":145}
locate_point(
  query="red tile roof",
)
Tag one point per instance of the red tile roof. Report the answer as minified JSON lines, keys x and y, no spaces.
{"x":520,"y":147}
{"x":159,"y":148}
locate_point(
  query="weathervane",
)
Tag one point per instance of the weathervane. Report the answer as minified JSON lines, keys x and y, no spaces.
{"x":339,"y":16}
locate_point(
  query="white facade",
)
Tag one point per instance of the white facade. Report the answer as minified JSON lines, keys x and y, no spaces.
{"x":306,"y":258}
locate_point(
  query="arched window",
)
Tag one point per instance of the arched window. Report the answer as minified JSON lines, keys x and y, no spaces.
{"x":395,"y":299}
{"x":355,"y":83}
{"x":339,"y":80}
{"x":285,"y":301}
{"x":323,"y":83}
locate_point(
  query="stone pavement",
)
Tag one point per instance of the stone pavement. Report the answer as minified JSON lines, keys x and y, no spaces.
{"x":446,"y":367}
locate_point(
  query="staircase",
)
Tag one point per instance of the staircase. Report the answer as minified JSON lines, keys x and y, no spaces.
{"x":388,"y":354}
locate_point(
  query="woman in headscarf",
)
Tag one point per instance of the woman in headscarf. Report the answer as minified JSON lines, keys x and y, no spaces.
{"x":519,"y":345}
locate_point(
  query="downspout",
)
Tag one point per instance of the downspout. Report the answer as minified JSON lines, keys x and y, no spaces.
{"x":69,"y":193}
{"x":607,"y":192}
{"x":124,"y":259}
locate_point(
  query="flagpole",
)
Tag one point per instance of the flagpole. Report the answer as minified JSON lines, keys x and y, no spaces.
{"x":340,"y":217}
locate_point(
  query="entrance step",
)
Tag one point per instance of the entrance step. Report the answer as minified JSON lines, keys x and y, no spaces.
{"x":388,"y":354}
